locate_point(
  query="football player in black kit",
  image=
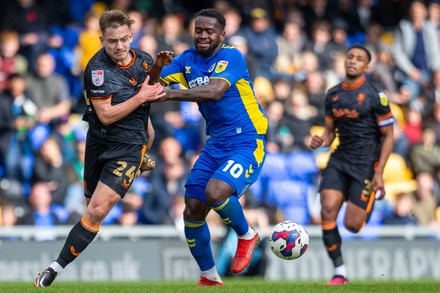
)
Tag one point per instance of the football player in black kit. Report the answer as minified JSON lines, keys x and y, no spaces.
{"x":116,"y":82}
{"x":359,"y":114}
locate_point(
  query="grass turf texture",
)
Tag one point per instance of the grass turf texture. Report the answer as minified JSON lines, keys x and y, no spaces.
{"x":233,"y":285}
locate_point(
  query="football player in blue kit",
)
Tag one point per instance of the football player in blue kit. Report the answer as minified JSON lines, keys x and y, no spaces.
{"x":359,"y":114}
{"x":216,"y":77}
{"x":117,"y":81}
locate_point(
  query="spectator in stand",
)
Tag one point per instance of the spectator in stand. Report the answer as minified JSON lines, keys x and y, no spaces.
{"x":188,"y":134}
{"x":321,"y":44}
{"x":290,"y":44}
{"x":403,"y":211}
{"x":148,"y":43}
{"x":29,"y":19}
{"x":282,"y":88}
{"x":137,"y":27}
{"x":298,"y":119}
{"x":434,"y":121}
{"x":50,"y":168}
{"x":415,"y":49}
{"x":43,"y":213}
{"x":309,"y":63}
{"x":168,"y":184}
{"x":171,"y":35}
{"x":233,"y":23}
{"x":425,"y":156}
{"x":315,"y":87}
{"x":17,"y":114}
{"x":434,"y":14}
{"x":413,"y":126}
{"x":339,"y":34}
{"x":261,"y":37}
{"x":88,"y":40}
{"x":373,"y":36}
{"x":316,"y":10}
{"x":10,"y":60}
{"x":382,"y":73}
{"x":49,"y":91}
{"x":8,"y":217}
{"x":131,"y":205}
{"x":277,"y":138}
{"x":425,"y":200}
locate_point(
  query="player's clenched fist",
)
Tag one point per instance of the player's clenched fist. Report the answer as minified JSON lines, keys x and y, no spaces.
{"x":316,"y":142}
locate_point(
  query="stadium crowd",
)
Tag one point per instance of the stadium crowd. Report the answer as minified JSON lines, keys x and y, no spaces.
{"x":294,"y":51}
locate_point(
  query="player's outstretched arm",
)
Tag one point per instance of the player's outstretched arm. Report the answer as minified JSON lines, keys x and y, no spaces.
{"x":163,"y":58}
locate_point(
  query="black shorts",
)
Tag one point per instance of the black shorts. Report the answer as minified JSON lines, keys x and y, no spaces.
{"x":353,"y":181}
{"x":115,"y":165}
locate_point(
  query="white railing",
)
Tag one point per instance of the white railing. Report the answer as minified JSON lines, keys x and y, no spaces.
{"x":170,"y":231}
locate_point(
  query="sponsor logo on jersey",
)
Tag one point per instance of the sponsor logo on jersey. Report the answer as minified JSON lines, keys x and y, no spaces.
{"x":98,"y":77}
{"x":211,"y":68}
{"x":383,"y":99}
{"x":187,"y":69}
{"x":335,"y":98}
{"x":347,"y":113}
{"x":202,"y":80}
{"x":221,"y":66}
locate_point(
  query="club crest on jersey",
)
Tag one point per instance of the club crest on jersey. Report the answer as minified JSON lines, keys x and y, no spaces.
{"x":383,"y":99}
{"x":221,"y":66}
{"x":360,"y":98}
{"x":97,"y":77}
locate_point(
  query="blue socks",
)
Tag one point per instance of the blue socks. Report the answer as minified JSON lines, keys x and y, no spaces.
{"x":198,"y":238}
{"x":231,"y":211}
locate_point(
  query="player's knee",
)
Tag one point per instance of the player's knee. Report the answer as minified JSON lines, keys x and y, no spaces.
{"x":353,"y":226}
{"x":95,"y":215}
{"x":217,"y":191}
{"x":328,"y":214}
{"x":194,"y":214}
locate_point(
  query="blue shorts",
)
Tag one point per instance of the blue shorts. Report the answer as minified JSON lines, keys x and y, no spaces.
{"x":237,"y":163}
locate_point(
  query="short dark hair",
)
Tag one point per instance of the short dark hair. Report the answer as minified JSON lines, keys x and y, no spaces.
{"x":214,"y":13}
{"x":114,"y":19}
{"x":361,"y":48}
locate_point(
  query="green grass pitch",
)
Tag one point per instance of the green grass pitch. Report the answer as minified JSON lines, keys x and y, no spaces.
{"x":232,"y":285}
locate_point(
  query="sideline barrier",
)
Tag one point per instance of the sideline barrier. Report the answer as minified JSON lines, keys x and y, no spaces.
{"x":160,"y":253}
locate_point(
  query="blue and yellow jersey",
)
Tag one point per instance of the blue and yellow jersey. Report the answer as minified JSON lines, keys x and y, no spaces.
{"x":237,"y":114}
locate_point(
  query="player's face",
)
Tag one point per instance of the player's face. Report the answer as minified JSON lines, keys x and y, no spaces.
{"x":356,"y":63}
{"x":207,"y":36}
{"x":116,"y":42}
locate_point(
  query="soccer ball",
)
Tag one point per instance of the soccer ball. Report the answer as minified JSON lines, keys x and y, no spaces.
{"x":289,"y":240}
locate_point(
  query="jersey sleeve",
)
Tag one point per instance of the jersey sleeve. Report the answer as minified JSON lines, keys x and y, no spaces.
{"x":173,"y":73}
{"x":382,"y":111}
{"x":231,"y":66}
{"x":328,"y":106}
{"x":100,"y":82}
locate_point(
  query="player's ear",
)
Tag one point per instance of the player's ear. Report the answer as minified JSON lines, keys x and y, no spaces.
{"x":222,"y":36}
